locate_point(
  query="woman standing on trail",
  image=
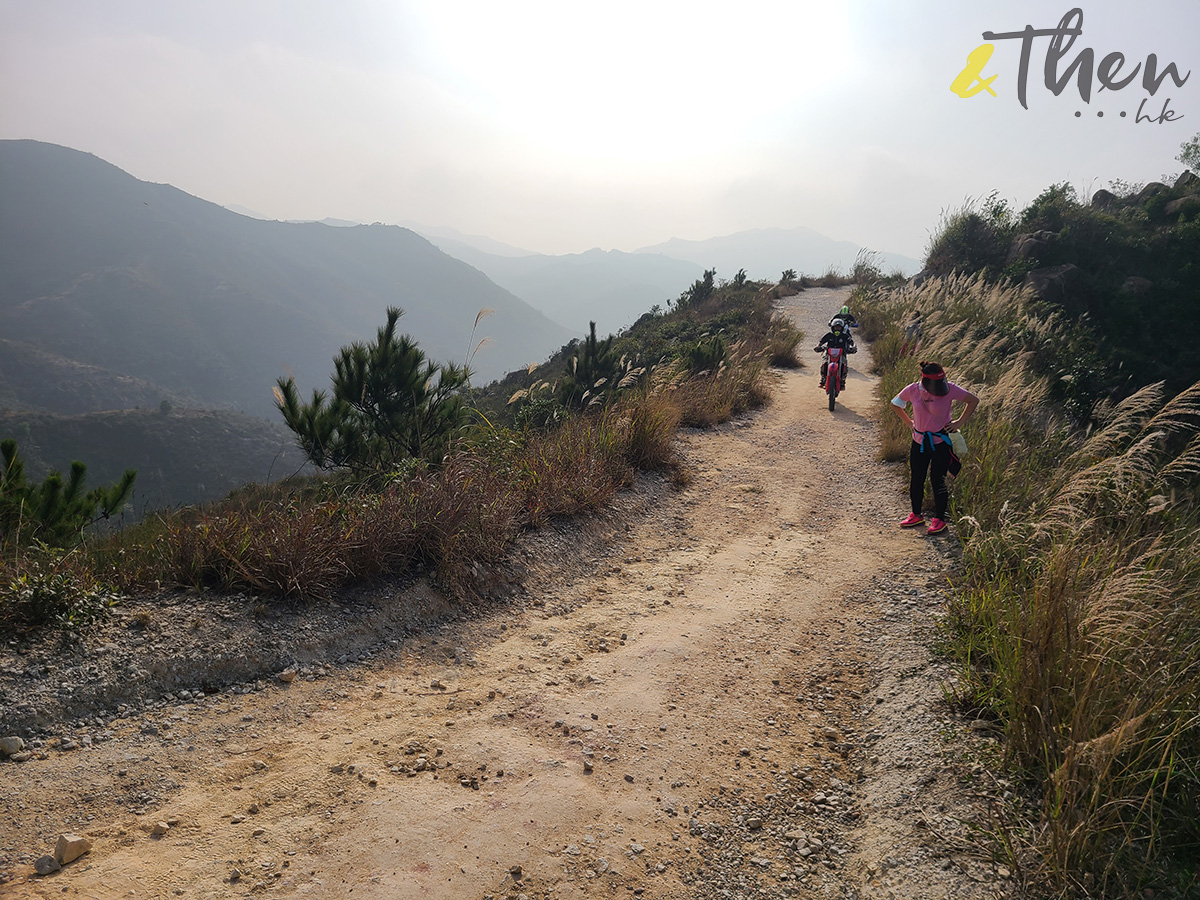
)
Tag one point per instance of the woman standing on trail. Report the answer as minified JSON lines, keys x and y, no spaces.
{"x":931,"y":424}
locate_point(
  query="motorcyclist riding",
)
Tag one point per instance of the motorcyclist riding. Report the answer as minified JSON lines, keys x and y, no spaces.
{"x":838,"y":336}
{"x":847,"y":318}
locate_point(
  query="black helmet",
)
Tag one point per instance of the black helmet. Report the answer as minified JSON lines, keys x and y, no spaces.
{"x":836,"y":326}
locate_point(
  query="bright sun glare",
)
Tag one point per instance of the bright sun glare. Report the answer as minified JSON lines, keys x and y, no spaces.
{"x":638,"y":80}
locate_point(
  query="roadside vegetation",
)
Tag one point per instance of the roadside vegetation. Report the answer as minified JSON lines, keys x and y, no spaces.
{"x":1075,"y":625}
{"x":1125,"y":262}
{"x":420,"y":473}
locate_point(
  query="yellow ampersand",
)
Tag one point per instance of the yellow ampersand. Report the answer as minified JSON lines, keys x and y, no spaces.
{"x":970,"y":81}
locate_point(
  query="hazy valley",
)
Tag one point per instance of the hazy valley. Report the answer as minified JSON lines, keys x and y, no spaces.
{"x":122,"y":295}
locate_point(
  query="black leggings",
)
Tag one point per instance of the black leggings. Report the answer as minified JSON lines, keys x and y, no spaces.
{"x":937,"y":463}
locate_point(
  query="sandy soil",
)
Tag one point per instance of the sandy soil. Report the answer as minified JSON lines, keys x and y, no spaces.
{"x":739,"y":702}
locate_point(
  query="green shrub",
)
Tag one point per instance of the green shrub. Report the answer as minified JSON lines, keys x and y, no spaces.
{"x":50,"y":589}
{"x":700,"y":292}
{"x":705,"y":355}
{"x":591,"y":374}
{"x":540,"y":413}
{"x":973,"y":238}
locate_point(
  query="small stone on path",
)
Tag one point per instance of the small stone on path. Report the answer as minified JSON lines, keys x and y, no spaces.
{"x":46,"y":864}
{"x":70,"y":847}
{"x":11,"y":745}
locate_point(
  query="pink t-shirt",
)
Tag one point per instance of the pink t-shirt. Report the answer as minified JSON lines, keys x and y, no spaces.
{"x":931,"y":413}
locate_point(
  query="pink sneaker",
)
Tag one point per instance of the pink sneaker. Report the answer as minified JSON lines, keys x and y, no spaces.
{"x":936,"y":526}
{"x":913,"y":521}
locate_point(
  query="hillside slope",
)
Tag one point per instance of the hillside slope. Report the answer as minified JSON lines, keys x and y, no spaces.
{"x":609,"y":287}
{"x":181,"y":456}
{"x":147,"y":282}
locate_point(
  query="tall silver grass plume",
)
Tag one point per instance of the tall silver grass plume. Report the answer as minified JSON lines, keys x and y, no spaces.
{"x":1181,"y":414}
{"x":1120,"y":423}
{"x":1185,"y":467}
{"x":631,"y":378}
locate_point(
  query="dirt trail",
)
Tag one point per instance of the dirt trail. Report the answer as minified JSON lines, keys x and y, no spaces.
{"x":739,"y":706}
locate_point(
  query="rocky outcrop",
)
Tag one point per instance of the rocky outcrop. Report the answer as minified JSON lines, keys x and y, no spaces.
{"x":1189,"y":204}
{"x":1153,"y":189}
{"x":1027,"y":246}
{"x":1136,"y":285}
{"x":1188,"y":181}
{"x":1052,"y":282}
{"x":1103,"y":199}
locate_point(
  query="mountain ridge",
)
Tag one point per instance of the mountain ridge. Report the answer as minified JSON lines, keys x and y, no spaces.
{"x":146,"y":281}
{"x":610,"y":287}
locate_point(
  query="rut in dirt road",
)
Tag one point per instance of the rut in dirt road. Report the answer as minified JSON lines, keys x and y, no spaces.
{"x":709,"y":715}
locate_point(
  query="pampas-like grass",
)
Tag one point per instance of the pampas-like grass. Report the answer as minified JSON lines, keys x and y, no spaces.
{"x":1077,"y":616}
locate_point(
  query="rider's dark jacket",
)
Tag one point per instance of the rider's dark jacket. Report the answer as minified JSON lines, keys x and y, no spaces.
{"x":833,"y":339}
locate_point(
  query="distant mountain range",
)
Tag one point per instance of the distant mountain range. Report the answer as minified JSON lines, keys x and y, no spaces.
{"x":766,"y":252}
{"x":615,"y":288}
{"x":452,"y":240}
{"x":141,"y":281}
{"x":609,"y":287}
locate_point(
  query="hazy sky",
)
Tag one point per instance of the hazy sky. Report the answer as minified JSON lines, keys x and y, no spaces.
{"x":558,"y":125}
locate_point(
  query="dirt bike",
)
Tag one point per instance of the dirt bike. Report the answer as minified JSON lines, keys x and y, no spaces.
{"x":834,"y":375}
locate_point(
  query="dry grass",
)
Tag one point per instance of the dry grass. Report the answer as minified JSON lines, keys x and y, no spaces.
{"x":1077,"y":622}
{"x":781,"y":343}
{"x":307,"y":541}
{"x":734,"y":389}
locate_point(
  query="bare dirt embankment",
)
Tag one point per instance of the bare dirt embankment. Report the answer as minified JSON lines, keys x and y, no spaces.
{"x":734,"y":701}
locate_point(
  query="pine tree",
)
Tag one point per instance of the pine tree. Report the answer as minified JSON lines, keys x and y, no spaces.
{"x":389,"y":404}
{"x":54,"y":512}
{"x":590,"y":372}
{"x":701,"y":290}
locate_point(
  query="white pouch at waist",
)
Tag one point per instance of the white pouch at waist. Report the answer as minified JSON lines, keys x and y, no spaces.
{"x":958,"y":444}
